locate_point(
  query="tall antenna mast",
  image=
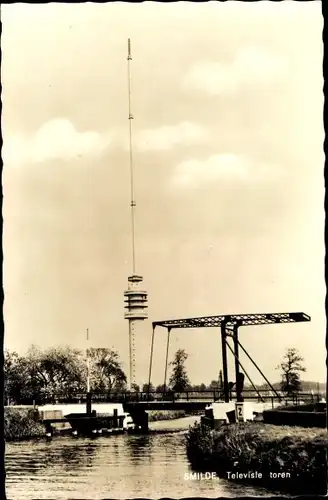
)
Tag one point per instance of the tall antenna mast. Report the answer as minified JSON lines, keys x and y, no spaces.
{"x":133,"y":202}
{"x":88,"y":362}
{"x":135,"y":299}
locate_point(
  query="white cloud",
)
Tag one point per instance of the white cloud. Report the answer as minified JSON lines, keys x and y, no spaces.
{"x":56,"y":139}
{"x":222,"y":166}
{"x":252,"y":67}
{"x":225,"y":167}
{"x":166,"y":137}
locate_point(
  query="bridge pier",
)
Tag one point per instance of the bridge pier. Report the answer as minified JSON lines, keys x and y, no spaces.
{"x":89,"y":403}
{"x":49,"y":430}
{"x":140,"y":419}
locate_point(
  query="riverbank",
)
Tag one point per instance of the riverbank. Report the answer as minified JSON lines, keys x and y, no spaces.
{"x":21,"y":423}
{"x":285,"y":459}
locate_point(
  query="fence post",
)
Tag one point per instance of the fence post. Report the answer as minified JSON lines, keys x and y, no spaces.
{"x":187,"y":395}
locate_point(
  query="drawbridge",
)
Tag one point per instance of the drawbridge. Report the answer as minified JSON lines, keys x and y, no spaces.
{"x":228,"y":326}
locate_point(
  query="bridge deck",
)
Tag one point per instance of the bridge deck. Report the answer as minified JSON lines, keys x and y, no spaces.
{"x":172,"y":399}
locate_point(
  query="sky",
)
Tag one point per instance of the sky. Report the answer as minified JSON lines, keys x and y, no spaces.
{"x":229,"y":176}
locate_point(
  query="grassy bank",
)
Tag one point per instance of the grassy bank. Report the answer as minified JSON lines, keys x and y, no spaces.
{"x":154,"y":416}
{"x":297,"y":454}
{"x":21,"y":423}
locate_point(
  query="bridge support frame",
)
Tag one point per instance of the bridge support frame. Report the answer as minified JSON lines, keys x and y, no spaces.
{"x":237,"y":372}
{"x":245,"y":372}
{"x":228,"y":325}
{"x":225,"y":332}
{"x":225,"y":363}
{"x":151,"y":359}
{"x":167,"y":357}
{"x":259,"y":370}
{"x":231,"y":331}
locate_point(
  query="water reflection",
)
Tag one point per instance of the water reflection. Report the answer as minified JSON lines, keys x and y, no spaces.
{"x":139,"y":445}
{"x":73,"y":456}
{"x":150,"y":466}
{"x":40,"y":455}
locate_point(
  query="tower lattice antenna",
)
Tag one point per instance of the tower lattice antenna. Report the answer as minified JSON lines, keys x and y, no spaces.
{"x":133,"y":202}
{"x":88,"y":362}
{"x":135,"y":299}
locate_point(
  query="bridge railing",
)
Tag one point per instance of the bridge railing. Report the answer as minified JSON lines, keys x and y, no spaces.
{"x":207,"y":395}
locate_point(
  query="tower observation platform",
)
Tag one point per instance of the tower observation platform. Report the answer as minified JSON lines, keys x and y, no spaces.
{"x":135,"y":299}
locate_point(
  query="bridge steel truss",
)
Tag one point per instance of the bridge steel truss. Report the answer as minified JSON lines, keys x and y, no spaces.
{"x":228,"y":325}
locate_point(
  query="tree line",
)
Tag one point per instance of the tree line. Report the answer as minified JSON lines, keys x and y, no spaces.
{"x":290,"y":368}
{"x":62,"y":371}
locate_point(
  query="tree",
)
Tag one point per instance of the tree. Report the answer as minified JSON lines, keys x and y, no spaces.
{"x":55,"y":371}
{"x":145,"y":388}
{"x":106,"y":373}
{"x":290,"y":368}
{"x":179,"y":379}
{"x":197,"y":387}
{"x":15,"y":370}
{"x":214,"y":385}
{"x":58,"y":370}
{"x":160,"y":388}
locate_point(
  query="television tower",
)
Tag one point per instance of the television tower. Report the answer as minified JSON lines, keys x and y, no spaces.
{"x":135,"y":298}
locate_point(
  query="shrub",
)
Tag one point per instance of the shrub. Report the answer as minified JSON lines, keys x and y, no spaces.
{"x":263,"y":448}
{"x":21,"y":423}
{"x":157,"y":415}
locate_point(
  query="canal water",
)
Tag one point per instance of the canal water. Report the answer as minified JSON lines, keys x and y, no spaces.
{"x":119,"y":467}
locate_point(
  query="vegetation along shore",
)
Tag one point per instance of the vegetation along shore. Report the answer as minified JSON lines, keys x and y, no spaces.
{"x":21,"y":423}
{"x":156,"y":415}
{"x":285,"y":459}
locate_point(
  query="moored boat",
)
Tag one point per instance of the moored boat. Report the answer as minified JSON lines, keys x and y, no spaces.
{"x":104,"y":418}
{"x":95,"y":423}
